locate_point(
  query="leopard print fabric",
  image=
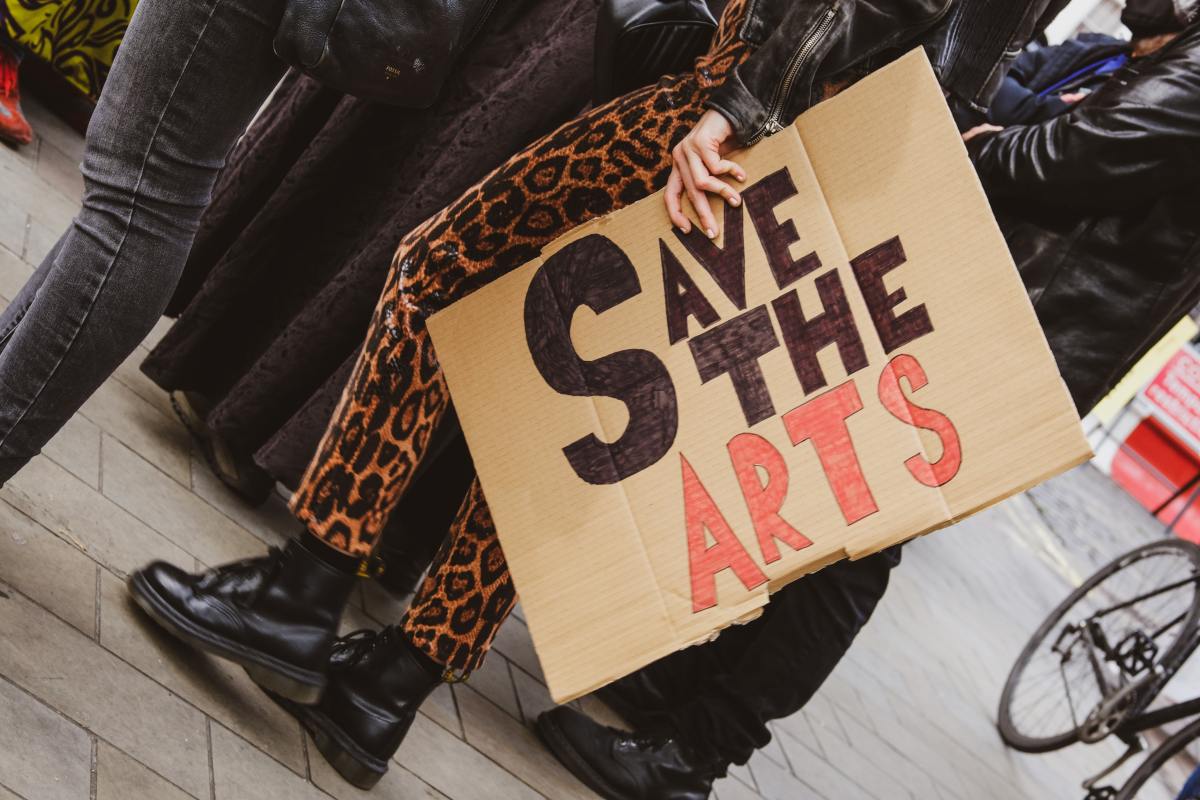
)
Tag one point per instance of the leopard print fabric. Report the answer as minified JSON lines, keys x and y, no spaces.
{"x":606,"y":159}
{"x":466,"y":595}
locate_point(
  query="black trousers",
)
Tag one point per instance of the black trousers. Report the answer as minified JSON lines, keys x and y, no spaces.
{"x":721,"y":695}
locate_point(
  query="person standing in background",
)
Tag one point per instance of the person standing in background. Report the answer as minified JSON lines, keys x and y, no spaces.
{"x":277,"y":295}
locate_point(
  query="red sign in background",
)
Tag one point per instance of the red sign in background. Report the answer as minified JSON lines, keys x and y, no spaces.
{"x":1161,"y":455}
{"x":1174,"y":395}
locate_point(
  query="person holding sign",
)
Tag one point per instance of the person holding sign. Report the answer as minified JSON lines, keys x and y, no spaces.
{"x":1101,"y":302}
{"x":278,"y":615}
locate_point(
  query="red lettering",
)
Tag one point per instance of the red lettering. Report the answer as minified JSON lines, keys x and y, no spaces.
{"x":936,"y":473}
{"x":748,"y":451}
{"x":823,"y":420}
{"x":704,"y":562}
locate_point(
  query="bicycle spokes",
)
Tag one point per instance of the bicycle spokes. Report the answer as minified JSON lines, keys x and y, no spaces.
{"x":1097,"y":658}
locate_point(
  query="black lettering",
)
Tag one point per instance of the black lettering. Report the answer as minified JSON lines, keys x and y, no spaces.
{"x":778,"y":237}
{"x":594,"y":272}
{"x":683,"y":297}
{"x":805,"y":338}
{"x":726,"y":265}
{"x":869,"y":269}
{"x":734,"y":347}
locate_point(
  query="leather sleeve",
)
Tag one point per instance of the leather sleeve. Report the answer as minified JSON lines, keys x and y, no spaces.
{"x":862,"y":29}
{"x":1133,"y":139}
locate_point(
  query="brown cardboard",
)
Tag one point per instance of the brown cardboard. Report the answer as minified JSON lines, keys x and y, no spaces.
{"x":603,"y":569}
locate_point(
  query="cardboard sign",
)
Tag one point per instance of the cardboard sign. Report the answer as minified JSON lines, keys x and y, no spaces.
{"x":667,"y":429}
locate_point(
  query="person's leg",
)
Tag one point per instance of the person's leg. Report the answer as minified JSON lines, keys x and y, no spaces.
{"x":780,"y":664}
{"x":467,"y":594}
{"x":606,"y":159}
{"x":733,"y":687}
{"x":378,"y":680}
{"x":396,"y":398}
{"x":393,"y":404}
{"x":14,"y":127}
{"x":417,"y":528}
{"x":188,"y":79}
{"x":257,"y":613}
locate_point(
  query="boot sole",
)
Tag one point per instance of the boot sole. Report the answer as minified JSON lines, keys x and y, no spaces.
{"x":299,"y":685}
{"x":565,"y":752}
{"x":354,"y":764}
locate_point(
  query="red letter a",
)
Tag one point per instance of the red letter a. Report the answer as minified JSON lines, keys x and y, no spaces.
{"x":823,"y":419}
{"x":704,"y":562}
{"x":748,"y":451}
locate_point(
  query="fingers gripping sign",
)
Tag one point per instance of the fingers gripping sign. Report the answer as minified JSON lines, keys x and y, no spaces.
{"x":697,"y":163}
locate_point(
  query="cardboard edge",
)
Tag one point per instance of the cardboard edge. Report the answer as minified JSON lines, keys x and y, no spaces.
{"x":573,"y":693}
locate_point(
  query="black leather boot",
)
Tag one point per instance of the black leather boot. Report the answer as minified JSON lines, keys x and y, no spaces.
{"x":624,"y":766}
{"x":277,"y":615}
{"x":377,"y":681}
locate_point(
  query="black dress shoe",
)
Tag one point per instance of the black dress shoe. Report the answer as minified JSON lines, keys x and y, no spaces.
{"x":623,"y":766}
{"x":377,"y":681}
{"x":277,"y":615}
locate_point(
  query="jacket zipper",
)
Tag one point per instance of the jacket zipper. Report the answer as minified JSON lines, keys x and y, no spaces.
{"x":773,"y":122}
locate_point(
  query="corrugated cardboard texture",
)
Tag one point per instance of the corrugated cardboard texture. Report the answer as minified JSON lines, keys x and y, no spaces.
{"x":604,"y":571}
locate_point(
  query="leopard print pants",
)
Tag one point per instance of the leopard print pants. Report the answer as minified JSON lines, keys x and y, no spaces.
{"x":604,"y":160}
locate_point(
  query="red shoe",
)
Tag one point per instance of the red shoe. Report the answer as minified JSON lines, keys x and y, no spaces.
{"x":14,"y":127}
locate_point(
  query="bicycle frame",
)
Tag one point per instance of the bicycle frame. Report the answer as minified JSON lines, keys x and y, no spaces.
{"x":1133,"y":661}
{"x":1146,"y":720}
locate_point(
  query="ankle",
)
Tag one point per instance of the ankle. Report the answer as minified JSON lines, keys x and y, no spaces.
{"x":436,"y":670}
{"x":336,"y":559}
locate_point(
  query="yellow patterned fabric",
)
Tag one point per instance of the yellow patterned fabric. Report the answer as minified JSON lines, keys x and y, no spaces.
{"x":78,"y":38}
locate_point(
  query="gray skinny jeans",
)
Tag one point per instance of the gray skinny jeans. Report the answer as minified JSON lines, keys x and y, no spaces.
{"x":188,"y":79}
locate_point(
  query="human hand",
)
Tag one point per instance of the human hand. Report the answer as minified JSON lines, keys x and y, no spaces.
{"x":1072,"y":97}
{"x":697,"y":160}
{"x":979,"y":130}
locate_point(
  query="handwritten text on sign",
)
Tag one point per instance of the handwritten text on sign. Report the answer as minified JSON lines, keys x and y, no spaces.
{"x":594,"y":272}
{"x":638,"y":401}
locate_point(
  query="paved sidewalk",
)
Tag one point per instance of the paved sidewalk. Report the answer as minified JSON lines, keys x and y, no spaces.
{"x":95,"y":703}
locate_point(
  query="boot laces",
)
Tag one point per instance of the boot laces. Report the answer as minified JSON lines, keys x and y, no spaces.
{"x":351,"y":649}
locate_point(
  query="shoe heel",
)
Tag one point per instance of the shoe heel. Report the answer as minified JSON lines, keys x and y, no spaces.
{"x":303,"y":693}
{"x":349,"y":767}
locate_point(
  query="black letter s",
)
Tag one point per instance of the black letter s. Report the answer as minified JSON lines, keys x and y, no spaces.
{"x":594,"y":272}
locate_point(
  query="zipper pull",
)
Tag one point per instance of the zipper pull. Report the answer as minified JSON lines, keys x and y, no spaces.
{"x":773,"y":127}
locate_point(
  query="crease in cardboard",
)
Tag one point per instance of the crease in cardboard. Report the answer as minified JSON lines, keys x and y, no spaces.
{"x":1048,"y":443}
{"x":598,"y":421}
{"x":948,"y":515}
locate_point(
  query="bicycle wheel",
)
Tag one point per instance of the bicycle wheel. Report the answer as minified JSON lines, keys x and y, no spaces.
{"x":1146,"y":600}
{"x":1161,"y":755}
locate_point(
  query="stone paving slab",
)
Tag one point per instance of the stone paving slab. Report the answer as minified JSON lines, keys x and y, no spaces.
{"x":96,"y":704}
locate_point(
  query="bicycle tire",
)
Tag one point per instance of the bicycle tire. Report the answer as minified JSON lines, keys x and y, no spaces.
{"x":1161,"y":755}
{"x":1169,"y":661}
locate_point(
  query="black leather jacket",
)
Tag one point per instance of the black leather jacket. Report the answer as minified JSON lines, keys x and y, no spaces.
{"x":1101,"y":208}
{"x":802,"y":44}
